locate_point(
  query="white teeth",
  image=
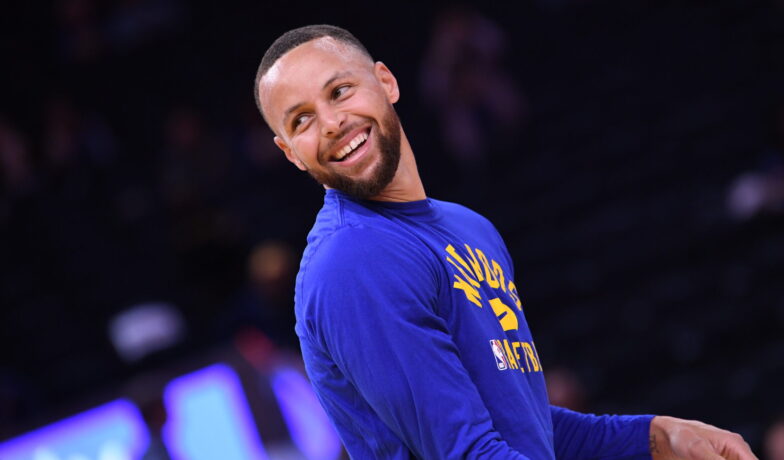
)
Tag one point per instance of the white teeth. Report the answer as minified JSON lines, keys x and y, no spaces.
{"x":361,"y":137}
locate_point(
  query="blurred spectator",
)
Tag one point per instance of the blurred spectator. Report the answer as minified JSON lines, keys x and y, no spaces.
{"x":266,"y":302}
{"x":85,"y":31}
{"x":193,"y":179}
{"x":565,"y":389}
{"x":463,"y":80}
{"x":758,"y":192}
{"x":154,"y":414}
{"x":62,"y":143}
{"x":76,"y":141}
{"x":271,"y":269}
{"x":259,"y":172}
{"x":16,"y":401}
{"x":773,"y":444}
{"x":559,"y":4}
{"x":761,"y":191}
{"x":256,"y":142}
{"x":195,"y":183}
{"x":135,"y":22}
{"x":78,"y":158}
{"x":147,"y":393}
{"x":16,"y":169}
{"x":79,"y":34}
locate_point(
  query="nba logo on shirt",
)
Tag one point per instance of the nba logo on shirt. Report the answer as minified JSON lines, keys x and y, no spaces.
{"x":498,"y":352}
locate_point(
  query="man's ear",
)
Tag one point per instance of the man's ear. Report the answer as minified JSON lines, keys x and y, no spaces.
{"x":289,"y":154}
{"x":388,"y":81}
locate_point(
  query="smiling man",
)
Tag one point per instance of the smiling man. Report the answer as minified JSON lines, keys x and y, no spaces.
{"x":331,"y":108}
{"x":411,"y":326}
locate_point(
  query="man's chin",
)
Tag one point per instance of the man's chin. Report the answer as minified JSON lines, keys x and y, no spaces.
{"x":361,"y":189}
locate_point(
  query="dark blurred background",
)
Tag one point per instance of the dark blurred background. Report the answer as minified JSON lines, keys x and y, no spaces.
{"x":631,"y":154}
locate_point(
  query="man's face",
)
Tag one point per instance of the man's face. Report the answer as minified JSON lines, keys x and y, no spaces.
{"x":331,"y":109}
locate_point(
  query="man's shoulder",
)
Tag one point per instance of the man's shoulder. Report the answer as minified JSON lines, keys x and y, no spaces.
{"x":458,"y":210}
{"x":358,"y":242}
{"x":339,"y":217}
{"x":352,"y":244}
{"x":345,"y":229}
{"x":465,"y":215}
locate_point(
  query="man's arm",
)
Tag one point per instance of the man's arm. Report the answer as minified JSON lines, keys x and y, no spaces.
{"x":583,"y":436}
{"x":587,"y":436}
{"x":374,"y":314}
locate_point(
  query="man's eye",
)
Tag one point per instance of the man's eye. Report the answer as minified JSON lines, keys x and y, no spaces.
{"x":340,"y":91}
{"x":298,"y":121}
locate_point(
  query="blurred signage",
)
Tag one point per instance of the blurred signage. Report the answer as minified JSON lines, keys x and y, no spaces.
{"x":207,"y":417}
{"x":113,"y":431}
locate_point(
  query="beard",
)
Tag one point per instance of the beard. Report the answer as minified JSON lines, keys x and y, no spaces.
{"x":388,"y":139}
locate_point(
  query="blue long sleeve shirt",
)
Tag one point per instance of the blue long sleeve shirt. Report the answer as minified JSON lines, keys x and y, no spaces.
{"x":413,"y":334}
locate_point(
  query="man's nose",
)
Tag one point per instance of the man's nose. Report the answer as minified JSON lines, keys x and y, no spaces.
{"x":331,"y":121}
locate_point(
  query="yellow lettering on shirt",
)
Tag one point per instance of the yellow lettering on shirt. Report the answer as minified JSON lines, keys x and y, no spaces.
{"x":515,"y":346}
{"x":529,"y":352}
{"x":513,"y":294}
{"x":452,"y":252}
{"x":509,"y":356}
{"x":505,"y":315}
{"x":471,"y":280}
{"x":536,"y":353}
{"x":492,"y":281}
{"x":499,"y":272}
{"x":473,"y":270}
{"x":470,"y":292}
{"x":475,"y":267}
{"x":526,"y":360}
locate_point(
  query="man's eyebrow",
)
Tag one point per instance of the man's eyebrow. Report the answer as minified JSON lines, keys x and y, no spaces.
{"x":293,"y":108}
{"x":331,"y":80}
{"x":337,"y":76}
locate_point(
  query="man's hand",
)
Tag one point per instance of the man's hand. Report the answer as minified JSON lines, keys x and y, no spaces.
{"x":677,"y":439}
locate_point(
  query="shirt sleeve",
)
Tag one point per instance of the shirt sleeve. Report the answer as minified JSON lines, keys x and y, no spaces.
{"x":587,"y":436}
{"x":374,"y":302}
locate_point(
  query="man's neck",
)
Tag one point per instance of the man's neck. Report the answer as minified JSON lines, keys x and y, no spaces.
{"x":406,"y":185}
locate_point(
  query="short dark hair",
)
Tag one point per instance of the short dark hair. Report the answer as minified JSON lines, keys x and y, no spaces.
{"x":295,"y":37}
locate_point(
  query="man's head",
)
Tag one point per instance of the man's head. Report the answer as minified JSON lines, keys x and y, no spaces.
{"x":330,"y":108}
{"x":296,"y":37}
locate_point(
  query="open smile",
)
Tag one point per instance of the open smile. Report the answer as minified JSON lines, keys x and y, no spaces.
{"x":353,"y":150}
